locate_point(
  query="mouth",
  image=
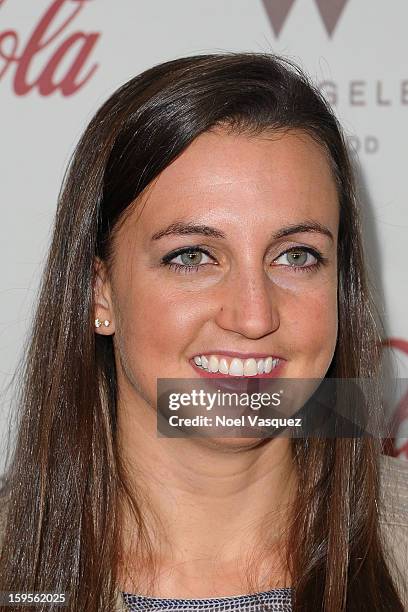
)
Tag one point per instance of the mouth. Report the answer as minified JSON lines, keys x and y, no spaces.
{"x":227,"y":366}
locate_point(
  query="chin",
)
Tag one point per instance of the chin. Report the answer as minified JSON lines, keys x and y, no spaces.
{"x":230,"y":444}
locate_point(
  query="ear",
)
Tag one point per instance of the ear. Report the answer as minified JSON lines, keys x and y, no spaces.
{"x":103,"y":310}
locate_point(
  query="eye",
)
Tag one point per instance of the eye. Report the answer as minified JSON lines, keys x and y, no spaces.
{"x":300,"y":258}
{"x":191,"y":258}
{"x":188,"y":259}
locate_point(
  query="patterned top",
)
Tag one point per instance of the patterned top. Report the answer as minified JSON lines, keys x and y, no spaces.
{"x":276,"y":600}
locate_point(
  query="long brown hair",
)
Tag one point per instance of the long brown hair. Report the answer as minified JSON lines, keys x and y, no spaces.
{"x":65,"y":480}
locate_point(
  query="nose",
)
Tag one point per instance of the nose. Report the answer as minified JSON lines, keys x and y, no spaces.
{"x":247,"y":305}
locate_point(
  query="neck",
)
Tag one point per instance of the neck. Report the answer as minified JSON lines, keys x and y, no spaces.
{"x":208,"y":505}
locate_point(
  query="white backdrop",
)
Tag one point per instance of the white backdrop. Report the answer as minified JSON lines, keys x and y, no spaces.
{"x":60,"y":59}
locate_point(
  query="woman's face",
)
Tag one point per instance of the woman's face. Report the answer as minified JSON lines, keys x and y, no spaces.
{"x":260,"y":216}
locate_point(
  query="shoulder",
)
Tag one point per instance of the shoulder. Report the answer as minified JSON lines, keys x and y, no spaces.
{"x":393,"y":491}
{"x":393,"y":518}
{"x":120,"y":605}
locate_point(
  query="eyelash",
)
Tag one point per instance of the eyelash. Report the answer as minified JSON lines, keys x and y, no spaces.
{"x":182,"y":269}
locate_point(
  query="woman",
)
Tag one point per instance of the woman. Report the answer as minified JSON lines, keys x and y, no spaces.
{"x":208,"y":222}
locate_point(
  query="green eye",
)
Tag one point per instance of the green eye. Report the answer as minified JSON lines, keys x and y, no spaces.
{"x":191,"y":258}
{"x":188,"y":259}
{"x":297,"y":258}
{"x":300,"y":259}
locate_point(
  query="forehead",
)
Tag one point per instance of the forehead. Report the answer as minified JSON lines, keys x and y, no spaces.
{"x":238,"y":178}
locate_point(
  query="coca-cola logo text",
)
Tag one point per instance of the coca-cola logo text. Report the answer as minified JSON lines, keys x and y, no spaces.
{"x":18,"y":55}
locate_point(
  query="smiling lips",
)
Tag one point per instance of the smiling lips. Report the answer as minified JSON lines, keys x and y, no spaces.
{"x":236,"y":366}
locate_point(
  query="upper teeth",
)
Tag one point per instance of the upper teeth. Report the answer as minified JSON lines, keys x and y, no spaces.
{"x":236,"y":367}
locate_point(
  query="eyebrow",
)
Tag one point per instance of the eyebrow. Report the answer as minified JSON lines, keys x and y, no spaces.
{"x":180,"y":228}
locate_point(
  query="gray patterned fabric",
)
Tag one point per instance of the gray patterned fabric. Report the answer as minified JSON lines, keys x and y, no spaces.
{"x":276,"y":600}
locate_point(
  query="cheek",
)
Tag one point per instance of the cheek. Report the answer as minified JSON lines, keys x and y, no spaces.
{"x":156,"y":325}
{"x":311,"y":322}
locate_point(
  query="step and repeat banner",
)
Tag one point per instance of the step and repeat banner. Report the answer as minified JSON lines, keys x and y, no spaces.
{"x":60,"y":59}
